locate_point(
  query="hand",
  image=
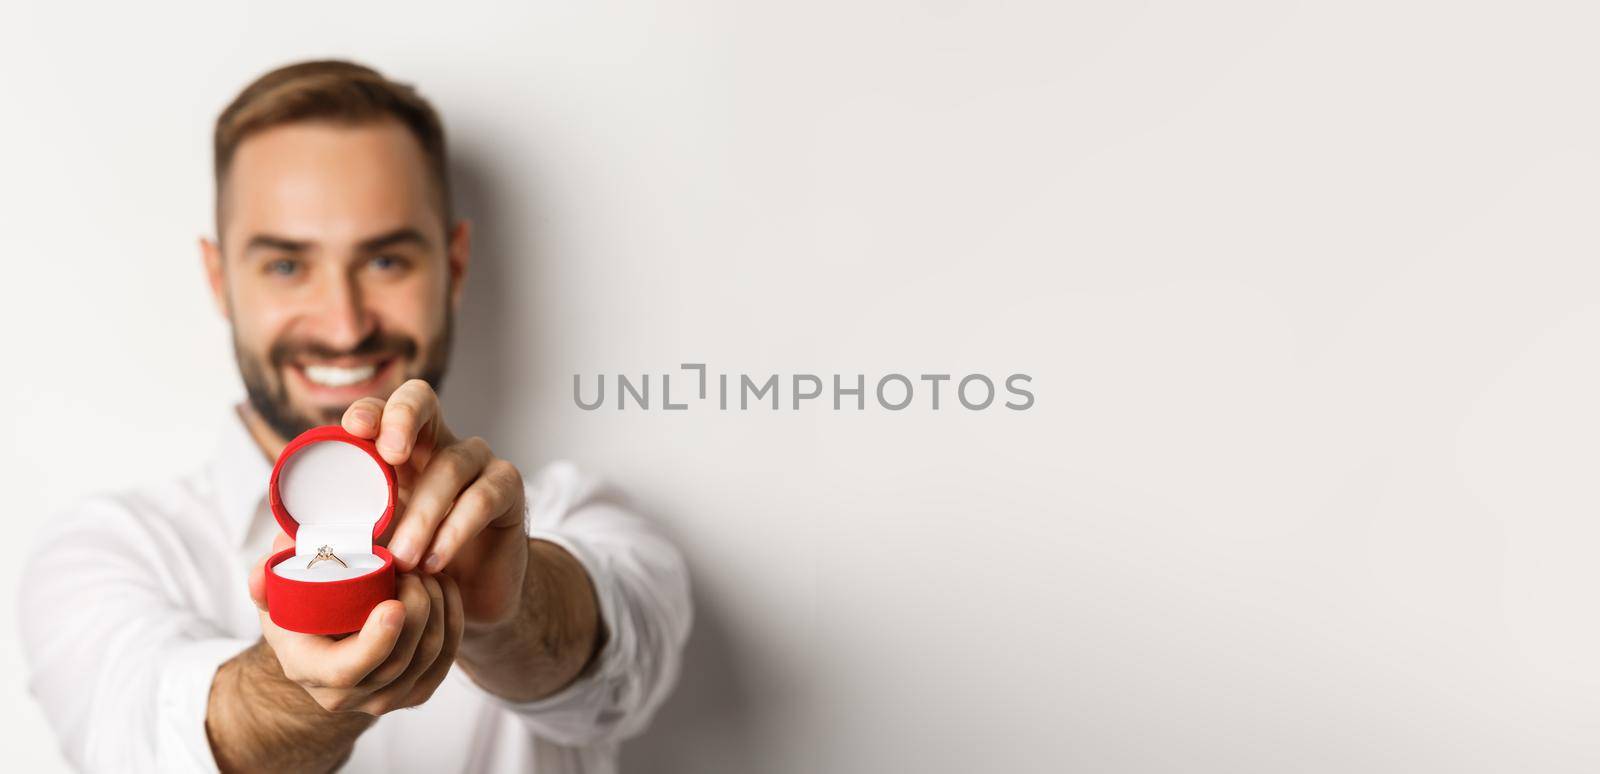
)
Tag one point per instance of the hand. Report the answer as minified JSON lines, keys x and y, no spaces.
{"x":462,"y":507}
{"x":399,"y":657}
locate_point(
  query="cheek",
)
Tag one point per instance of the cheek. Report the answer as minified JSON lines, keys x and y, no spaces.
{"x":415,"y":309}
{"x":257,"y":325}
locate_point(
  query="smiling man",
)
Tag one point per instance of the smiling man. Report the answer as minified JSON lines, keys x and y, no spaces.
{"x":539,"y":621}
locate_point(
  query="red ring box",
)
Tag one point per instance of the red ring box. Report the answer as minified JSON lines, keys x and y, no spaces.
{"x":330,"y":488}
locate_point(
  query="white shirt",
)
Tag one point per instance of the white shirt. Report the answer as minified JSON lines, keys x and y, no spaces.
{"x":131,"y":601}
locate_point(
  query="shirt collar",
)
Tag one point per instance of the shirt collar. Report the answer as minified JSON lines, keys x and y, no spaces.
{"x":240,"y":471}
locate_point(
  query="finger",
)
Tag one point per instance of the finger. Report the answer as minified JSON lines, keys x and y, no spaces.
{"x":323,"y":662}
{"x":494,"y":499}
{"x":433,"y":639}
{"x":455,"y":611}
{"x":258,"y":574}
{"x":449,"y":472}
{"x":413,"y":594}
{"x":409,"y":419}
{"x":428,"y":649}
{"x":455,"y":624}
{"x":361,"y":419}
{"x":258,"y":583}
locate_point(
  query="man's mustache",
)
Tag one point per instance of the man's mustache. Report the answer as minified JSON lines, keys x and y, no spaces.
{"x":383,"y":345}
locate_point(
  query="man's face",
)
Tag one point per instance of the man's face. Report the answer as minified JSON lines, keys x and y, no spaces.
{"x":334,"y":268}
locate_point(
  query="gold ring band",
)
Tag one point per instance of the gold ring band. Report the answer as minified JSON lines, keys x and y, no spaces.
{"x":325,"y":553}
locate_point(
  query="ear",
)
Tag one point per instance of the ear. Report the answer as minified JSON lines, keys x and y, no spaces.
{"x":211,"y":256}
{"x":460,"y":253}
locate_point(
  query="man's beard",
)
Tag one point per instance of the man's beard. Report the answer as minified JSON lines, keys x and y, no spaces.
{"x":269,"y":391}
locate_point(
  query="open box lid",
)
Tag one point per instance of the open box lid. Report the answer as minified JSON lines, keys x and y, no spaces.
{"x":331,"y":488}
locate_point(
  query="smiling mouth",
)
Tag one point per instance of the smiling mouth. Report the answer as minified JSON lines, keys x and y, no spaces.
{"x":334,"y":376}
{"x":341,"y":376}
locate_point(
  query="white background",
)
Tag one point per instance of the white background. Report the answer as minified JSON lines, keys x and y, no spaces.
{"x":1308,"y":291}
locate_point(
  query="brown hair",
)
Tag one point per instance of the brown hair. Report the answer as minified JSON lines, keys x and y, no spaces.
{"x":333,"y":91}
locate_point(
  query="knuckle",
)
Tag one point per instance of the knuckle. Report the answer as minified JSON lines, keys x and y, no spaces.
{"x":399,"y":410}
{"x":332,"y":701}
{"x":424,"y":692}
{"x":343,"y":677}
{"x":430,"y":508}
{"x":375,"y":707}
{"x":478,"y":448}
{"x":457,"y":462}
{"x":294,"y":674}
{"x":504,"y":476}
{"x":450,"y":535}
{"x":461,"y":460}
{"x":424,"y":688}
{"x":475,"y":500}
{"x":389,"y":673}
{"x":503,"y":470}
{"x":382,"y":680}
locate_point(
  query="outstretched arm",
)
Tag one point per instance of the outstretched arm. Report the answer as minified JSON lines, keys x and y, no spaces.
{"x":299,"y":701}
{"x":554,"y":633}
{"x":257,"y":719}
{"x":577,"y":610}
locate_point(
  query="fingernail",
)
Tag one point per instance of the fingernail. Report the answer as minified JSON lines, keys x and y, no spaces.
{"x":364,"y":416}
{"x":404,"y":550}
{"x":433,"y":563}
{"x":393,"y":617}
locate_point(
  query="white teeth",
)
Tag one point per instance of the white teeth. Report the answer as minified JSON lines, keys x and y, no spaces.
{"x":334,"y":376}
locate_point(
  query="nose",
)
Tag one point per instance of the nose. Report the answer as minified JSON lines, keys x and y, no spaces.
{"x":340,"y":320}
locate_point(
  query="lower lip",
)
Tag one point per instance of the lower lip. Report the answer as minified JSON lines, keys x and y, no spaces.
{"x":344,"y":394}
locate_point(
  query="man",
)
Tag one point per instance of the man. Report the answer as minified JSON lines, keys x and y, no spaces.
{"x":538,"y":622}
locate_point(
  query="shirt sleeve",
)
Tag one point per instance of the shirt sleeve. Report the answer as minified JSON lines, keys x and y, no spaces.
{"x":121,"y":664}
{"x":642,"y":588}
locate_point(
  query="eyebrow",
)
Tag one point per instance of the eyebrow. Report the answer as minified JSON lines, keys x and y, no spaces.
{"x":399,"y":236}
{"x":270,"y":242}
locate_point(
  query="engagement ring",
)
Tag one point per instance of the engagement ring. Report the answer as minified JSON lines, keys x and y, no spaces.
{"x":325,"y":553}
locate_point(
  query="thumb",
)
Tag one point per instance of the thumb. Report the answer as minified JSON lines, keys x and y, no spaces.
{"x":376,"y":640}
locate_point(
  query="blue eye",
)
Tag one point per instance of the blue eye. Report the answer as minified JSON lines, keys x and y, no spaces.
{"x":282,"y":267}
{"x":388,"y":263}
